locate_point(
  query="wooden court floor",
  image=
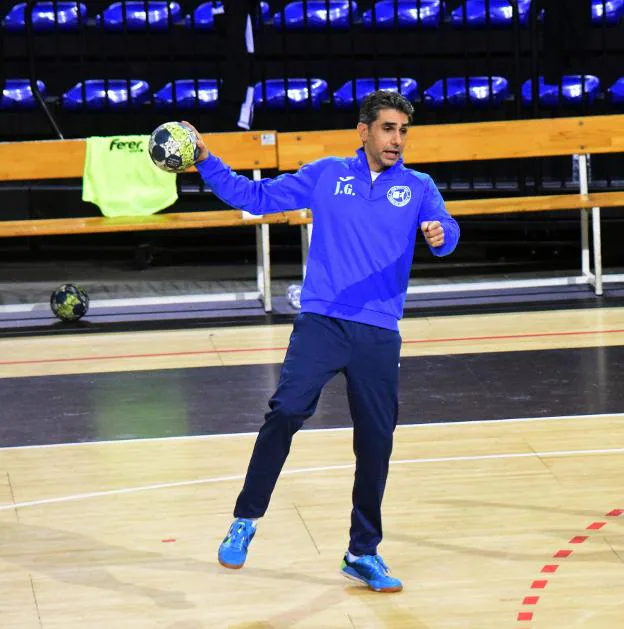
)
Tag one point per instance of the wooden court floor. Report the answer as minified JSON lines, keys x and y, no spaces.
{"x":494,"y":523}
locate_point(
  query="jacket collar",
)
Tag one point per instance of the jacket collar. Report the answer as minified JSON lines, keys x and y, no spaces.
{"x":362,"y":163}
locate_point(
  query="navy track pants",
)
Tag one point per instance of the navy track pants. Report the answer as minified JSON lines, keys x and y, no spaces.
{"x":319,"y":348}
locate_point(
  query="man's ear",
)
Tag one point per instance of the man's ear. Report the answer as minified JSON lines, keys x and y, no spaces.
{"x":363,"y":131}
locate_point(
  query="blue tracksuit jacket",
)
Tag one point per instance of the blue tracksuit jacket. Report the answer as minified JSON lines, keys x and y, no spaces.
{"x":364,"y":233}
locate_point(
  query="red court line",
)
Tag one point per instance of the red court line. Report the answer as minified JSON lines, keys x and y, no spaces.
{"x":541,"y":584}
{"x":238,"y":350}
{"x":550,"y":568}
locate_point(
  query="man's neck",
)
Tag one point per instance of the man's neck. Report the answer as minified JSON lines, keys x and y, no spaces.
{"x":375,"y":168}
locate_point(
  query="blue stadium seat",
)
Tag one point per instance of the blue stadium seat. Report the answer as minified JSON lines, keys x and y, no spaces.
{"x":343,"y":96}
{"x":112,"y":94}
{"x":203,"y":93}
{"x":617,"y":91}
{"x":614,"y":11}
{"x":202,"y":17}
{"x":17,"y":94}
{"x":478,"y":92}
{"x":570,"y":93}
{"x":316,"y":14}
{"x":297,"y":93}
{"x":157,"y":18}
{"x":67,"y":17}
{"x":403,"y":14}
{"x":501,"y":13}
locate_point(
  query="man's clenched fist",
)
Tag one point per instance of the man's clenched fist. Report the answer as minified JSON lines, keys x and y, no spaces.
{"x":433,"y":233}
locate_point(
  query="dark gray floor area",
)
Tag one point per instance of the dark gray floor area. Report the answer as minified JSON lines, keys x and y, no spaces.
{"x":178,"y":402}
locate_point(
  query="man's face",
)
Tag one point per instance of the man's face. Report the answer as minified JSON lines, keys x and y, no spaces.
{"x":385,"y":139}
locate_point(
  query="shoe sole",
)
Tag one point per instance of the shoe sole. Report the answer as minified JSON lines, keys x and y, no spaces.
{"x":231,"y":566}
{"x":396,"y":588}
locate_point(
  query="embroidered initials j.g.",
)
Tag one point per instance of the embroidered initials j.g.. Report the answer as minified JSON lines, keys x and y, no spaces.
{"x":344,"y":188}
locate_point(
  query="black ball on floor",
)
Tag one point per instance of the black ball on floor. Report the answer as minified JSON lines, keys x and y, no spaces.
{"x":69,"y":302}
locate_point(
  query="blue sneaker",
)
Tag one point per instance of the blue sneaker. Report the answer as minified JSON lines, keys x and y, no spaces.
{"x":372,"y":570}
{"x":233,"y":549}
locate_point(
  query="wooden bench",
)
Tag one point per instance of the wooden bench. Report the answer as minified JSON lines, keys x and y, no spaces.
{"x":580,"y":136}
{"x":63,"y":159}
{"x":428,"y":144}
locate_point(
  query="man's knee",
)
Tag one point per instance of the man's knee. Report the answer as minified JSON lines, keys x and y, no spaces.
{"x":290,"y":411}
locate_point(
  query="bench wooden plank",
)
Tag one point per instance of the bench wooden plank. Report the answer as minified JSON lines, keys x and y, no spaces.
{"x":510,"y":205}
{"x":543,"y":203}
{"x":62,"y":159}
{"x":469,"y":141}
{"x":102,"y":224}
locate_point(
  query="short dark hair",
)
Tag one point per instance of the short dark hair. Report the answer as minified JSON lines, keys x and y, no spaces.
{"x":383,"y":99}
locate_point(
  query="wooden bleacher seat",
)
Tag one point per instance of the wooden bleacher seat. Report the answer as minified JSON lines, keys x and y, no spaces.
{"x":102,"y":224}
{"x":469,"y":141}
{"x":64,"y":159}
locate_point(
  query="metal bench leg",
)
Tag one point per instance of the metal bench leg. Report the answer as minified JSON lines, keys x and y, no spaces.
{"x":306,"y":237}
{"x":597,"y":250}
{"x":263,"y":265}
{"x":595,"y":277}
{"x":583,"y":188}
{"x":585,"y":259}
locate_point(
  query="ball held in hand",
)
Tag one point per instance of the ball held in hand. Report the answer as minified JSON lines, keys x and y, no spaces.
{"x":173,"y":147}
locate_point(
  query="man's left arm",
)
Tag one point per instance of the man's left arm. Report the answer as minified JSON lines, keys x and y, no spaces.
{"x":439,"y":228}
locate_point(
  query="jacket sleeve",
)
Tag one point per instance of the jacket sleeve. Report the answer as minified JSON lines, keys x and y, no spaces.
{"x":433,"y":209}
{"x":286,"y":192}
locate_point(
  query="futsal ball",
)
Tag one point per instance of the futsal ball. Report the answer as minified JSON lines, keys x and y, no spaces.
{"x":69,"y":302}
{"x":173,"y":147}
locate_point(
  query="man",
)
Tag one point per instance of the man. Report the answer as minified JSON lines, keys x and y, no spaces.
{"x":366,"y":210}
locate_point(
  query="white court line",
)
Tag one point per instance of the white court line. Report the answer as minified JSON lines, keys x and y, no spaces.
{"x":303,"y":470}
{"x":229,"y":435}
